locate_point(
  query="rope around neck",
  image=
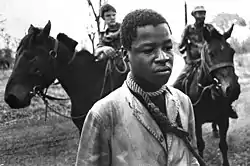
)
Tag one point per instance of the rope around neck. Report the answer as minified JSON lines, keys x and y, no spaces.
{"x":163,"y":119}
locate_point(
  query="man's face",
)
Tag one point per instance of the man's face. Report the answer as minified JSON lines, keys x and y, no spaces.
{"x":151,"y":56}
{"x":200,"y":16}
{"x":110,"y":18}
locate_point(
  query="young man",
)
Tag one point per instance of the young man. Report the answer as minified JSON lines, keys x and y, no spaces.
{"x":109,"y":39}
{"x":192,"y":41}
{"x":132,"y":125}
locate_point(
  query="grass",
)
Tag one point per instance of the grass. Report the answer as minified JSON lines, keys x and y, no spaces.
{"x":26,"y":139}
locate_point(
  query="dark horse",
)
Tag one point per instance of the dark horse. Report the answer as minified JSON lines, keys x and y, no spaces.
{"x":213,"y":87}
{"x":40,"y":59}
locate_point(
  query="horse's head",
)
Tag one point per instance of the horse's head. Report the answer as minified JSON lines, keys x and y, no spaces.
{"x":218,"y":57}
{"x":34,"y":68}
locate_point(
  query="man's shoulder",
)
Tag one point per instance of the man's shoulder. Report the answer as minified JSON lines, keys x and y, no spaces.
{"x":182,"y":99}
{"x":209,"y":26}
{"x":109,"y":102}
{"x":179,"y":94}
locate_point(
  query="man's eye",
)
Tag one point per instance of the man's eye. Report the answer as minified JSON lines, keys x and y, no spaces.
{"x":168,"y":48}
{"x":148,"y":51}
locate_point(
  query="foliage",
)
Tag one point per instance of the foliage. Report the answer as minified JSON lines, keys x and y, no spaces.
{"x":224,"y":20}
{"x":92,"y":29}
{"x":9,"y":44}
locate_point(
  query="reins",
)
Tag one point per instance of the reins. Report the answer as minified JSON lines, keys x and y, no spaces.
{"x":109,"y":69}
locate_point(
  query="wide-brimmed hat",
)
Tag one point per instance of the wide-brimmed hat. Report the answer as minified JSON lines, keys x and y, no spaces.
{"x":198,"y":9}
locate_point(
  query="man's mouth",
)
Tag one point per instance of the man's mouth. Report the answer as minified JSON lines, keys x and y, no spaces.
{"x":163,"y":69}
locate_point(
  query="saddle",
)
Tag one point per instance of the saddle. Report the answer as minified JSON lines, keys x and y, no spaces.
{"x":188,"y":74}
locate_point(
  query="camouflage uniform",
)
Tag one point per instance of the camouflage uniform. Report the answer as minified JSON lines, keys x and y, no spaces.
{"x":110,"y":37}
{"x":191,"y":42}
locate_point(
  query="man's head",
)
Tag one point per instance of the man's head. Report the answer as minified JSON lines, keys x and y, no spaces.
{"x":108,"y":14}
{"x":199,"y":13}
{"x":146,"y":36}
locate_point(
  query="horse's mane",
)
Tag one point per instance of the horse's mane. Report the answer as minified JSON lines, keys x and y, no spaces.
{"x":212,"y":33}
{"x":71,"y":44}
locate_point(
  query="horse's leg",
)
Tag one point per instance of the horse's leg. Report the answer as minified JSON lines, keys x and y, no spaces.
{"x":215,"y":130}
{"x":223,"y":128}
{"x":200,"y":141}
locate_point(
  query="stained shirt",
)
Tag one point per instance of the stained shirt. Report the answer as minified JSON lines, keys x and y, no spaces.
{"x":119,"y":131}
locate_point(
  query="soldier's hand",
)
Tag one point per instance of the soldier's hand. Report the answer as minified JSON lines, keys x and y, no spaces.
{"x":109,"y":51}
{"x":104,"y":52}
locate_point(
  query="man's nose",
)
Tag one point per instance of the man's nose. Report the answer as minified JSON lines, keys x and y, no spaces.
{"x":162,"y":57}
{"x":161,"y":54}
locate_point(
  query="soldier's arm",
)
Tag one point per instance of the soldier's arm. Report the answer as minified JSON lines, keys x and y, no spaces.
{"x":184,"y":38}
{"x":100,"y":44}
{"x":210,"y":27}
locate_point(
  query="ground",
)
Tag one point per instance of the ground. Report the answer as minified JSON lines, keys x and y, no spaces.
{"x":27,"y":139}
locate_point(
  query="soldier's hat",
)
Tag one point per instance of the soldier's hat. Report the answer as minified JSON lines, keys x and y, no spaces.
{"x":198,"y":9}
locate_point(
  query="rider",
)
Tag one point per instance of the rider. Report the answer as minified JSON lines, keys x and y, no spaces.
{"x":192,"y":42}
{"x":109,"y":39}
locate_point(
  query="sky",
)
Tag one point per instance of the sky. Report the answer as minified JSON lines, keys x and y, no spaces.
{"x":72,"y":16}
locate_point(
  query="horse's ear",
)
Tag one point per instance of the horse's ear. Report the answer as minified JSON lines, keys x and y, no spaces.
{"x":228,"y":33}
{"x":46,"y":30}
{"x":206,"y":34}
{"x":31,"y":29}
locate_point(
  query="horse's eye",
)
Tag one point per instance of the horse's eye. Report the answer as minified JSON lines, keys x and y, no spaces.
{"x":212,"y":54}
{"x":36,"y":70}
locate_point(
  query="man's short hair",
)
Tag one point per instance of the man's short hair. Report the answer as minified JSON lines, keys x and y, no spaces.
{"x":105,"y":8}
{"x":135,"y":19}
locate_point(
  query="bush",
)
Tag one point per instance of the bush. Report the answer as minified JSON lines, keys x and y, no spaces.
{"x":241,"y":47}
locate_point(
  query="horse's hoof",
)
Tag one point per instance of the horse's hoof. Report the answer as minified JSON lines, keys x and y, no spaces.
{"x":216,"y":134}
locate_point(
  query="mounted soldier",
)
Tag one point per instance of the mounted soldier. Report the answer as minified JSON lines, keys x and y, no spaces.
{"x":109,"y":39}
{"x":192,"y":41}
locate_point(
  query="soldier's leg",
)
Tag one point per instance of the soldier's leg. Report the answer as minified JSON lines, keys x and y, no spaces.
{"x":179,"y":81}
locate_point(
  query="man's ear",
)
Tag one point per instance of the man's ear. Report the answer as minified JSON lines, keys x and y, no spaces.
{"x":125,"y":55}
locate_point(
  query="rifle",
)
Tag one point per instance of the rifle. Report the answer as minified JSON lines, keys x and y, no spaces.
{"x":185,"y":6}
{"x":184,"y":49}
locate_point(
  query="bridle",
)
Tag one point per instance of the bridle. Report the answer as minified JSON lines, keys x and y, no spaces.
{"x":42,"y":92}
{"x":208,"y":70}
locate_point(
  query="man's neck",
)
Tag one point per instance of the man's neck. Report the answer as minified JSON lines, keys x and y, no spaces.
{"x":145,"y":85}
{"x":199,"y":24}
{"x":113,"y":27}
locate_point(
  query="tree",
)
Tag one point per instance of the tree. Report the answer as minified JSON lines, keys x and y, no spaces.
{"x":92,"y":29}
{"x":224,"y":20}
{"x":6,"y":51}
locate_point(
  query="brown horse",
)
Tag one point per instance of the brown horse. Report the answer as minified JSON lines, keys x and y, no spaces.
{"x":40,"y":59}
{"x":213,"y":87}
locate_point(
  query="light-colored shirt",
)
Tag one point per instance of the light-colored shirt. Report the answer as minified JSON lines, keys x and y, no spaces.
{"x":119,"y":131}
